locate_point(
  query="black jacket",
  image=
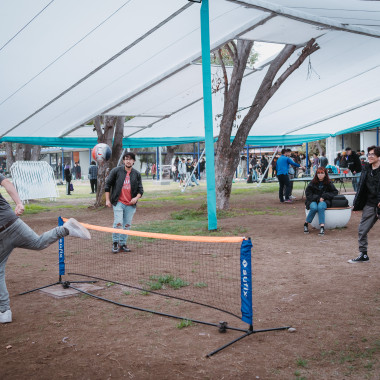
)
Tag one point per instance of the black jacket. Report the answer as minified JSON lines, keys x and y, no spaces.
{"x":115,"y":181}
{"x":354,"y":163}
{"x":360,"y":199}
{"x":314,"y":193}
{"x":68,"y":176}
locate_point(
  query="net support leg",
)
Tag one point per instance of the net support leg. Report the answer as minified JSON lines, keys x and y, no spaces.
{"x":249,"y":332}
{"x":65,"y":284}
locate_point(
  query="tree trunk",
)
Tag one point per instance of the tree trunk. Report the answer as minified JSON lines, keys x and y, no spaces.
{"x":10,"y":156}
{"x":24,"y":152}
{"x":169,"y":154}
{"x":111,"y":134}
{"x":27,"y":155}
{"x":227,"y":153}
{"x":19,"y":154}
{"x":36,"y":151}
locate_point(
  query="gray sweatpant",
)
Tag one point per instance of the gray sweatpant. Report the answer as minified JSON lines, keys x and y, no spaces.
{"x":20,"y":235}
{"x":368,"y":220}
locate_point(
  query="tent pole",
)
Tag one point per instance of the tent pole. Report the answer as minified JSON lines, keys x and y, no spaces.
{"x":267,"y":168}
{"x":377,"y":136}
{"x":307,"y":158}
{"x":208,"y":119}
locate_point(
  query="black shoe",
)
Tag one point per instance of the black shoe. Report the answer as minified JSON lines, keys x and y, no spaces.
{"x":115,"y":248}
{"x":124,"y":248}
{"x":322,"y":231}
{"x":362,"y":258}
{"x":306,"y":228}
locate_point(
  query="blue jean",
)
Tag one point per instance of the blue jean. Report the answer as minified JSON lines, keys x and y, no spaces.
{"x":355,"y":181}
{"x":123,"y":216}
{"x":314,"y":208}
{"x":20,"y":235}
{"x":193,"y":179}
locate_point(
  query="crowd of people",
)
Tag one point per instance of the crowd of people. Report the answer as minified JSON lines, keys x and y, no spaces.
{"x":183,"y":170}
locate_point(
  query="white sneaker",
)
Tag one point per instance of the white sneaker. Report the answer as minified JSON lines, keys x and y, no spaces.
{"x":6,"y":317}
{"x":76,"y":229}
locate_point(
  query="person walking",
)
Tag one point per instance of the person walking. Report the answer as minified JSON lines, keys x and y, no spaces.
{"x":202,"y":168}
{"x":14,"y":233}
{"x":182,"y":170}
{"x":264,"y":165}
{"x":175,"y":169}
{"x":153,"y":171}
{"x":78,"y":171}
{"x":189,"y":170}
{"x":367,"y":198}
{"x":319,"y":194}
{"x":273,"y":164}
{"x":323,"y":161}
{"x":123,"y":189}
{"x":68,"y":178}
{"x":343,"y":163}
{"x":195,"y":174}
{"x":354,"y":164}
{"x":282,"y":169}
{"x":93,"y":177}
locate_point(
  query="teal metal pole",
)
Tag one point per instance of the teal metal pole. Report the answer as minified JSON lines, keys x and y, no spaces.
{"x":208,"y":119}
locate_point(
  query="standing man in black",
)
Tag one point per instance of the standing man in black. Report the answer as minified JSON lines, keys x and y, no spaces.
{"x":354,"y":164}
{"x":368,"y":199}
{"x":93,"y":177}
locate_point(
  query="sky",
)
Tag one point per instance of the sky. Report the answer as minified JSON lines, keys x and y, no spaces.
{"x":266,"y":50}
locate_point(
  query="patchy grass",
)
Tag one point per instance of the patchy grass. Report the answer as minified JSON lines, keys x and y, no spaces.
{"x":185,"y":323}
{"x":159,"y":282}
{"x":32,"y":208}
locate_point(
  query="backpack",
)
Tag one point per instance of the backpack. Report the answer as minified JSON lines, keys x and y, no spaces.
{"x":339,"y":201}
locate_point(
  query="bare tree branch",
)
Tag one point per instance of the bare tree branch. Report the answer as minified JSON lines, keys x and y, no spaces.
{"x":225,"y":77}
{"x":309,"y":49}
{"x":268,"y":89}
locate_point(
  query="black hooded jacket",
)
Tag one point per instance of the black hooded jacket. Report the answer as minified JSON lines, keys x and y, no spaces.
{"x":314,"y":193}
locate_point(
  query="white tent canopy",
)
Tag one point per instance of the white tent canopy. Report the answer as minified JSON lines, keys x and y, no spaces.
{"x":64,"y":62}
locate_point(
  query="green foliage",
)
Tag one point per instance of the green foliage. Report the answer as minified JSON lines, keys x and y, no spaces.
{"x":200,"y":285}
{"x":185,"y":323}
{"x":109,"y":284}
{"x":158,"y":282}
{"x":227,"y":59}
{"x":301,"y":362}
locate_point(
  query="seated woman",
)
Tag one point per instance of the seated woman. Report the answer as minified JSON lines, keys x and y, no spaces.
{"x":319,"y":194}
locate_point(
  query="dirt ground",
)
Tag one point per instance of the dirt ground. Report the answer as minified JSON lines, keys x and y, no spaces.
{"x":303,"y":281}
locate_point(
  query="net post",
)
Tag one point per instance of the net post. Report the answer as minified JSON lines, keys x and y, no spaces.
{"x":246,"y":281}
{"x":61,"y":252}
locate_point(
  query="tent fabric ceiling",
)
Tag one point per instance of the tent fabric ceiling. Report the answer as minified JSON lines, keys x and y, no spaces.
{"x":118,"y":58}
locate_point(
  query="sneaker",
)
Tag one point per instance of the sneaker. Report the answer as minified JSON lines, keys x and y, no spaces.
{"x":292,"y":198}
{"x":124,"y":248}
{"x":6,"y":317}
{"x":288,"y":201}
{"x":321,"y":231}
{"x":115,"y":247}
{"x":306,"y":228}
{"x":362,"y":258}
{"x":75,"y":229}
